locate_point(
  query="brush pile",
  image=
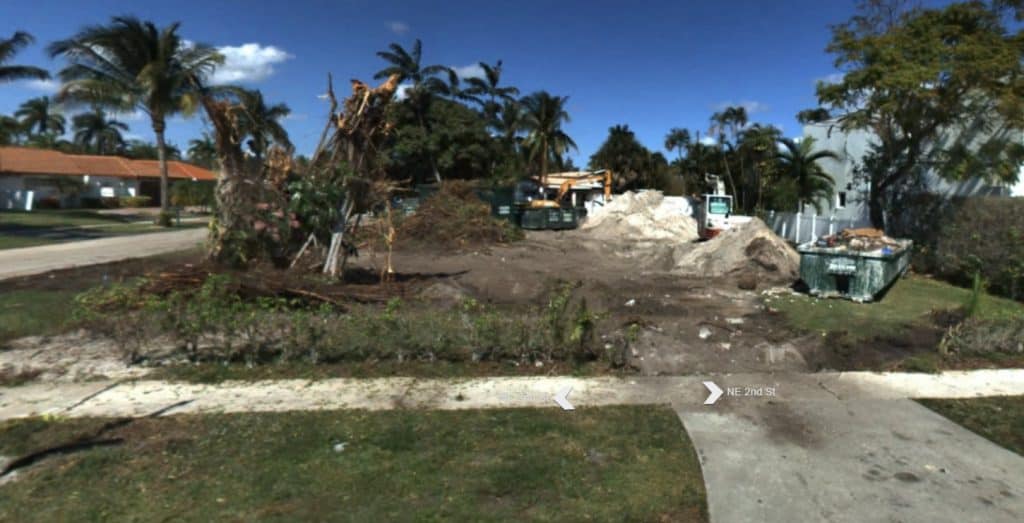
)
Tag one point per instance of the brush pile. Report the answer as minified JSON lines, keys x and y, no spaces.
{"x":455,"y":218}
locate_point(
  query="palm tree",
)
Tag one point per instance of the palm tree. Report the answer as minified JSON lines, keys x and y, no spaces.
{"x":407,"y":65}
{"x":130,"y":64}
{"x":40,"y":115}
{"x":726,"y":125}
{"x":94,"y":131}
{"x":10,"y":130}
{"x":758,"y":144}
{"x":51,"y":141}
{"x":202,"y":151}
{"x":488,"y":86}
{"x":799,"y":161}
{"x":543,"y":116}
{"x":261,"y":123}
{"x":678,"y":140}
{"x":8,"y":48}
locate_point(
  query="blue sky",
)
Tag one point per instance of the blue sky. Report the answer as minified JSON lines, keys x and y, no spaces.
{"x":651,"y":65}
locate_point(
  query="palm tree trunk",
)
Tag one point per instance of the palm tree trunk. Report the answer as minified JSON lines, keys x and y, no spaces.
{"x":159,"y":126}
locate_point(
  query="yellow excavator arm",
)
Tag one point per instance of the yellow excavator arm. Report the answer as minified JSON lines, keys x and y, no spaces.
{"x":605,"y":177}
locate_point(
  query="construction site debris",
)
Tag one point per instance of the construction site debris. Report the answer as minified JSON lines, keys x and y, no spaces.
{"x":751,"y":247}
{"x":861,"y":240}
{"x":455,"y":218}
{"x":640,"y":216}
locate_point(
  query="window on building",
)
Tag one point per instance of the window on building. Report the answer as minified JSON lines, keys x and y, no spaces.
{"x":840,"y":199}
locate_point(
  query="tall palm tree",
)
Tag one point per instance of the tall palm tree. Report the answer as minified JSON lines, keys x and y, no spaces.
{"x":202,"y":151}
{"x":40,"y":115}
{"x":488,"y":87}
{"x":261,"y":122}
{"x":758,"y":145}
{"x":799,"y":161}
{"x":10,"y":47}
{"x":726,"y":125}
{"x":131,"y":64}
{"x":409,"y":68}
{"x":452,"y":88}
{"x":677,"y":140}
{"x":96,"y":132}
{"x":543,"y":117}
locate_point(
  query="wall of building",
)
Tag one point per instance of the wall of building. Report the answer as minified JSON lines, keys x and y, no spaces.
{"x":24,"y":192}
{"x":852,"y":146}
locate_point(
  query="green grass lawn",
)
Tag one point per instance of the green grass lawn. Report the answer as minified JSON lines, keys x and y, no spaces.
{"x":59,"y":218}
{"x":44,"y":227}
{"x":910,"y":301}
{"x":604,"y":464}
{"x":34,"y":312}
{"x":1000,"y":419}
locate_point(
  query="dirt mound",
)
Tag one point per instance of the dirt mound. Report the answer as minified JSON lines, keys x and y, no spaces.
{"x":748,"y":248}
{"x":647,"y":215}
{"x":456,"y":218}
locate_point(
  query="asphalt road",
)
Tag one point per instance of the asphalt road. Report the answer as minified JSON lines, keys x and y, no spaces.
{"x":36,"y":260}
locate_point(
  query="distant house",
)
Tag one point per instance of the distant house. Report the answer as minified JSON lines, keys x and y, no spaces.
{"x":30,"y":178}
{"x":850,"y":199}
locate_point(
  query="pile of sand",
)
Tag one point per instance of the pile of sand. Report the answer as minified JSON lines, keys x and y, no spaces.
{"x":643,"y":216}
{"x":745,"y":249}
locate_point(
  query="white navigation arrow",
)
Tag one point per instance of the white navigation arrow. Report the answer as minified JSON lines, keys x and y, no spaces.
{"x":715,"y":393}
{"x":562,"y":399}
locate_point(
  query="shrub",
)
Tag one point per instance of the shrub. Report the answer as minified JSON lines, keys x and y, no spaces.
{"x":134,"y":201}
{"x":186,"y":193}
{"x":983,"y":236}
{"x":981,"y":337}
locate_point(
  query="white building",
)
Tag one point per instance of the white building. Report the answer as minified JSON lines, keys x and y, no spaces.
{"x":31,"y":178}
{"x":850,"y":199}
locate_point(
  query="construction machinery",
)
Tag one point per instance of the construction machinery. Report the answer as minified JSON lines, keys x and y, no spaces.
{"x":538,"y":210}
{"x":714,"y":214}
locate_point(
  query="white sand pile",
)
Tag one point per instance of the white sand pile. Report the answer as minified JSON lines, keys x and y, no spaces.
{"x":751,"y":247}
{"x":643,"y":216}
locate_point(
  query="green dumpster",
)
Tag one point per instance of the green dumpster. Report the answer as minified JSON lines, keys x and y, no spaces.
{"x":549,"y":219}
{"x":859,"y":276}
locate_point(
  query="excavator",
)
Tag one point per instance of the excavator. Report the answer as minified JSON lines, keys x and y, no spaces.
{"x":715,"y":212}
{"x":539,"y":211}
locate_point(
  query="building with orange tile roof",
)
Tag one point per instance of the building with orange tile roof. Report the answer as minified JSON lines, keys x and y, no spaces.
{"x":33,"y":177}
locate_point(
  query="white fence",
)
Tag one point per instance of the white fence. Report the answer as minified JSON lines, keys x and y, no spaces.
{"x":800,"y":227}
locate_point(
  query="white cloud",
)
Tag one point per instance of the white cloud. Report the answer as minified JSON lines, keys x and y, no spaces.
{"x":469,"y":71}
{"x":133,"y":116}
{"x":708,"y":140}
{"x":398,"y":27}
{"x":250,"y":62}
{"x":400,"y":92}
{"x":752,"y":106}
{"x":46,"y":86}
{"x":833,"y":78}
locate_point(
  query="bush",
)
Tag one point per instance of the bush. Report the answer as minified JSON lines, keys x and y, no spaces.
{"x":983,"y":236}
{"x":134,"y":201}
{"x":982,"y":337}
{"x":217,"y":325}
{"x":186,"y":193}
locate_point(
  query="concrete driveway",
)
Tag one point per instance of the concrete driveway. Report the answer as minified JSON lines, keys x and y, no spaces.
{"x":37,"y":260}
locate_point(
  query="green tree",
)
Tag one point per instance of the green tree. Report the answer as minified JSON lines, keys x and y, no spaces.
{"x":10,"y":47}
{"x":39,"y":115}
{"x":490,"y":94}
{"x":202,"y":151}
{"x":726,"y":126}
{"x":423,"y":79}
{"x":131,"y":64}
{"x":632,"y":163}
{"x":799,"y":162}
{"x":458,"y":143}
{"x":94,"y":131}
{"x":816,"y":115}
{"x":51,"y":141}
{"x":758,"y":149}
{"x":143,"y":150}
{"x":545,"y":141}
{"x":261,"y":123}
{"x":10,"y":130}
{"x":938,"y":88}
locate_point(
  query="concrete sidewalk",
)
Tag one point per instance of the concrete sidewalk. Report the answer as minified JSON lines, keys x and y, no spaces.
{"x":36,"y":260}
{"x":845,"y":447}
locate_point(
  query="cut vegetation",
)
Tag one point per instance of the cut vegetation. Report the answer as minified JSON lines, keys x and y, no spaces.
{"x":543,"y":465}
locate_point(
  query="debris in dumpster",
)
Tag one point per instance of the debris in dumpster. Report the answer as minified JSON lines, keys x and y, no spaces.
{"x":860,"y":240}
